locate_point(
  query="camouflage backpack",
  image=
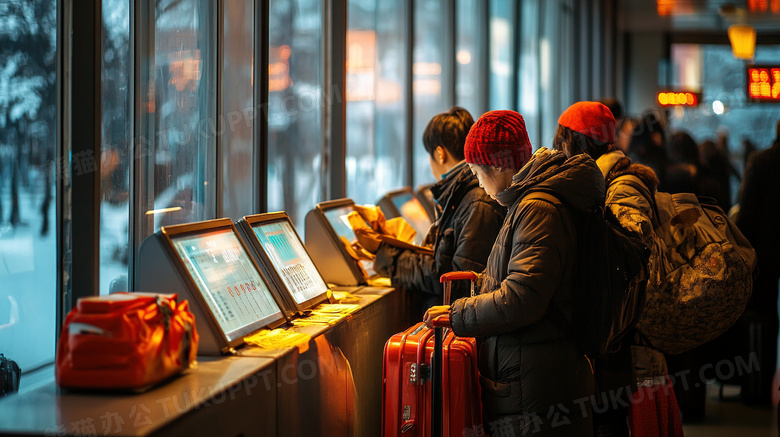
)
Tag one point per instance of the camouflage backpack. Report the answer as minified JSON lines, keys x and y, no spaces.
{"x":701,"y":272}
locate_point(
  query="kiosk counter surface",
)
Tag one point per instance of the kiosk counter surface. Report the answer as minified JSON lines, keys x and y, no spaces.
{"x":222,"y":396}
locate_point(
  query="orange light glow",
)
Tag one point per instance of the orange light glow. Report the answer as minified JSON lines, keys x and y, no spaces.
{"x":463,"y":57}
{"x":758,"y":5}
{"x":764,"y":84}
{"x":388,"y":91}
{"x":665,"y":7}
{"x":743,"y":41}
{"x":426,"y":68}
{"x":674,"y":7}
{"x":428,"y":87}
{"x":279,"y":68}
{"x":670,"y":98}
{"x":184,"y":67}
{"x":361,"y":50}
{"x":361,"y":59}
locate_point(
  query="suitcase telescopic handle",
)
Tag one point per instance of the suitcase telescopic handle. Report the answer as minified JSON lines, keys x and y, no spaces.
{"x":447,"y":279}
{"x":437,"y":412}
{"x":441,"y":322}
{"x":456,"y":276}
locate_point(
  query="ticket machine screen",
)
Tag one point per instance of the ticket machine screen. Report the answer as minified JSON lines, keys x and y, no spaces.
{"x":413,"y":212}
{"x":290,"y":260}
{"x":337,"y":217}
{"x":227,"y":279}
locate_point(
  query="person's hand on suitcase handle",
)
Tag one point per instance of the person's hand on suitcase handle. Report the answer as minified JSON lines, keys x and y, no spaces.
{"x":437,"y":317}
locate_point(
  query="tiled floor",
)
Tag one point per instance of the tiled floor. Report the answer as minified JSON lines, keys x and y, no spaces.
{"x":730,"y":418}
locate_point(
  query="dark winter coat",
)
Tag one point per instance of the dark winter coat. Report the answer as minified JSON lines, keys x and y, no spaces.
{"x":462,"y":238}
{"x":529,"y":364}
{"x":635,"y":214}
{"x":759,"y":209}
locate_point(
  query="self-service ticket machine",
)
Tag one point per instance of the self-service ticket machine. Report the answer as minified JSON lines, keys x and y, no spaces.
{"x":278,"y":248}
{"x":404,"y":203}
{"x":257,"y":274}
{"x":208,"y":264}
{"x":425,"y":196}
{"x":327,"y":232}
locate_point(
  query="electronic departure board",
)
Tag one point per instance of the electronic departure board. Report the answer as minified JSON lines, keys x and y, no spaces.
{"x":208,"y":264}
{"x":678,"y":98}
{"x":763,"y":83}
{"x":281,"y":251}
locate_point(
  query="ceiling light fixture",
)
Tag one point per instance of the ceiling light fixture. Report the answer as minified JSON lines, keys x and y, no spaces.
{"x":742,"y":37}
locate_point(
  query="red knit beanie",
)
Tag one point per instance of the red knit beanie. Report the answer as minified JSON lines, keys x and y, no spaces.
{"x":592,"y":119}
{"x":499,"y":139}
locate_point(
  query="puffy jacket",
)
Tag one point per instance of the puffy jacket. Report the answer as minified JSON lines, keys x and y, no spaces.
{"x":462,"y":238}
{"x":635,"y":214}
{"x":627,"y":204}
{"x":528,"y":362}
{"x":757,"y":219}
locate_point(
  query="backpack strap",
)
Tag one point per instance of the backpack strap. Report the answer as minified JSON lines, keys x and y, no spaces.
{"x":551,"y":199}
{"x":554,"y":310}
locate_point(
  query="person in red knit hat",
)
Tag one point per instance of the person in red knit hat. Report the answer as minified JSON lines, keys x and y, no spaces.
{"x":466,"y":224}
{"x":588,"y":128}
{"x":534,"y":380}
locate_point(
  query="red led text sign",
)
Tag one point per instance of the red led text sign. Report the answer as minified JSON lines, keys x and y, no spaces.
{"x":763,"y":83}
{"x":678,"y":98}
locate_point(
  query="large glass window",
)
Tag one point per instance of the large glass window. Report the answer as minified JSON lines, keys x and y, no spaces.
{"x":236,"y":114}
{"x":376,"y":144}
{"x":555,"y":54}
{"x":427,"y":73}
{"x":528,"y":76}
{"x":468,"y":56}
{"x":28,"y":177}
{"x":549,"y":72}
{"x":501,"y":53}
{"x":178,"y":114}
{"x":115,"y":145}
{"x":296,"y":99}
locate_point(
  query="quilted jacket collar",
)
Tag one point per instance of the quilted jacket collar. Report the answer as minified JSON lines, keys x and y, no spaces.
{"x":576,"y":180}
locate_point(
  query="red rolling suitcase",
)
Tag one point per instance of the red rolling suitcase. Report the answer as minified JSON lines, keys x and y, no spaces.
{"x":426,"y":399}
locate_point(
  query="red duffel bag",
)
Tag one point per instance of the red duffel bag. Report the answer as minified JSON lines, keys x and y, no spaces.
{"x":125,"y":341}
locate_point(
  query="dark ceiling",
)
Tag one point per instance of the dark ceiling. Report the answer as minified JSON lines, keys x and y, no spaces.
{"x":699,"y":15}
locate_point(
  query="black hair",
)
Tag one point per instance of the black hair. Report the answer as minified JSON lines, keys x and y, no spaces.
{"x":648,"y":125}
{"x":448,"y":130}
{"x":683,"y":149}
{"x":579,"y":143}
{"x":615,"y":107}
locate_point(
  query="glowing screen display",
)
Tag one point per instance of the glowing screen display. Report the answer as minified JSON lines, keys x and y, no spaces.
{"x":337,"y":217}
{"x":228,"y":281}
{"x":290,"y":260}
{"x":413,"y":212}
{"x":763,"y":84}
{"x":673,"y":98}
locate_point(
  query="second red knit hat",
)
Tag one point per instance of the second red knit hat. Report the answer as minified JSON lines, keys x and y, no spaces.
{"x":592,"y":119}
{"x":499,"y":139}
